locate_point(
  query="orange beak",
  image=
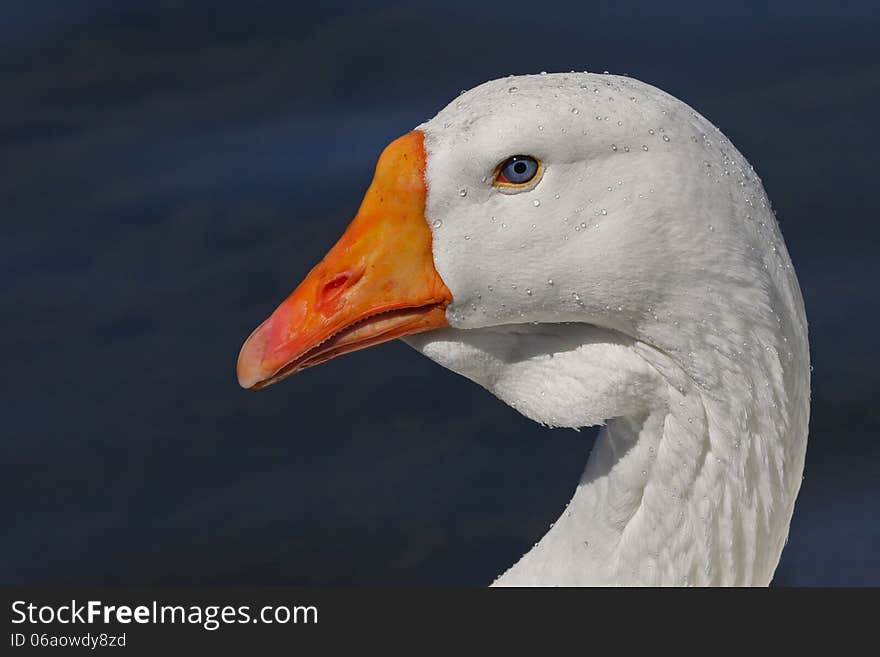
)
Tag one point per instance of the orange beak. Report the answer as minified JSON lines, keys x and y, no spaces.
{"x":377,"y":283}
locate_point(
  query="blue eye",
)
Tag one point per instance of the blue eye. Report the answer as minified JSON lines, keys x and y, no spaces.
{"x":517,"y":170}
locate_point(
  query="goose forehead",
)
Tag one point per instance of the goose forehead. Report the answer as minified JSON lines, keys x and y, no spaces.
{"x":595,"y":103}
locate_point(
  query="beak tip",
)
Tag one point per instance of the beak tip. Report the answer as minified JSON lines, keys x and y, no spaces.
{"x":249,"y":368}
{"x":246,"y":374}
{"x":245,"y":383}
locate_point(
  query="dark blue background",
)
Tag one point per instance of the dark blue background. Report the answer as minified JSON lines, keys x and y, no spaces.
{"x":170,"y":172}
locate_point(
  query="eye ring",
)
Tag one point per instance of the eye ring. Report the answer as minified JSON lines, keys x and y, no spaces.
{"x":518,"y":172}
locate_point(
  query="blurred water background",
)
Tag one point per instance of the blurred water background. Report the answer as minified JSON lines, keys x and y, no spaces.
{"x":171,"y":170}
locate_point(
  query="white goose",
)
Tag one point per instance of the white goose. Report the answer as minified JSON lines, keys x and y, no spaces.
{"x":592,"y":251}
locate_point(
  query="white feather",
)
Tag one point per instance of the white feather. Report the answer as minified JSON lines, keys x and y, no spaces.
{"x":643,"y":283}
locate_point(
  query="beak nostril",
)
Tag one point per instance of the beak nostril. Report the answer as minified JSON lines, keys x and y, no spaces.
{"x":337,"y":285}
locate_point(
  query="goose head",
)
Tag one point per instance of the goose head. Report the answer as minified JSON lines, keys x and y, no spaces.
{"x":586,"y":247}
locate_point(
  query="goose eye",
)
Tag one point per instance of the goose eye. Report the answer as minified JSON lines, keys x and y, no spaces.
{"x":517,"y":170}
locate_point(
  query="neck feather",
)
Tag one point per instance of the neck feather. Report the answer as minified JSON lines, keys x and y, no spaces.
{"x":695,"y":489}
